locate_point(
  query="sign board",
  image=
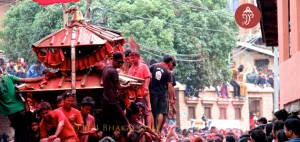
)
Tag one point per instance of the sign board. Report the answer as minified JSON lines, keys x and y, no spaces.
{"x":198,"y":123}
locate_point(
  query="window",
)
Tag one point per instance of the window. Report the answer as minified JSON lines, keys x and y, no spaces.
{"x":255,"y":105}
{"x":223,"y":114}
{"x":191,"y":111}
{"x":238,"y":113}
{"x":207,"y":112}
{"x":262,"y":63}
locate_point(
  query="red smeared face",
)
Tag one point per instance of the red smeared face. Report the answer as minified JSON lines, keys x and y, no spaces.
{"x":68,"y":102}
{"x":85,"y":110}
{"x":46,"y":114}
{"x":127,"y":59}
{"x":134,"y":60}
{"x":60,"y":103}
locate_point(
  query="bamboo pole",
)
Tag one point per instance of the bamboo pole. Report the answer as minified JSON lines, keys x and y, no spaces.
{"x":73,"y":61}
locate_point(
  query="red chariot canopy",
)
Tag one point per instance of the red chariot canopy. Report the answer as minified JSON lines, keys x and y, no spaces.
{"x":92,"y":44}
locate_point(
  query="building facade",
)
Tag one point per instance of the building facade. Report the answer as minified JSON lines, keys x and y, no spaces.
{"x":253,"y":56}
{"x":288,"y":13}
{"x":230,"y":113}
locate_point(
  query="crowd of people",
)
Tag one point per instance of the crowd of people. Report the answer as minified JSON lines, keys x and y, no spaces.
{"x":151,"y":103}
{"x":240,"y":78}
{"x":21,"y":69}
{"x":142,"y":119}
{"x":284,"y":127}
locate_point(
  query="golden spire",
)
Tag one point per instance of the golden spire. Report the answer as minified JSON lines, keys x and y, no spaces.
{"x":77,"y":15}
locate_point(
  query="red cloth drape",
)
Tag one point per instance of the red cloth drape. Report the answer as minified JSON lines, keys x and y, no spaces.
{"x":48,"y":2}
{"x":57,"y":59}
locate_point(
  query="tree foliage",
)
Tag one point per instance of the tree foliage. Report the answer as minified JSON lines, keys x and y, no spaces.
{"x":200,"y":34}
{"x":26,"y":23}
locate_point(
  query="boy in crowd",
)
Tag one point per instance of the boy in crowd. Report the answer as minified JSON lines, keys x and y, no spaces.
{"x":89,"y":128}
{"x":11,"y":67}
{"x":133,"y":113}
{"x":258,"y":136}
{"x":291,"y":129}
{"x":55,"y":125}
{"x":35,"y":70}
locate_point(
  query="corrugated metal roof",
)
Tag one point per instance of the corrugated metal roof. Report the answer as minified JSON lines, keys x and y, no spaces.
{"x":260,"y":50}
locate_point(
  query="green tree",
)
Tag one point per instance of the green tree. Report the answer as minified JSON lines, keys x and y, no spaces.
{"x":26,"y":23}
{"x":200,"y":34}
{"x":212,"y":43}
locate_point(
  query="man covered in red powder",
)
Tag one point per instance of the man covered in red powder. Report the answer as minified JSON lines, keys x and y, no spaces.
{"x":141,"y":70}
{"x":55,"y":125}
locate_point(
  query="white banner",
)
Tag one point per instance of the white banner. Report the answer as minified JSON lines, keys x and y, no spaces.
{"x":198,"y":123}
{"x":224,"y":124}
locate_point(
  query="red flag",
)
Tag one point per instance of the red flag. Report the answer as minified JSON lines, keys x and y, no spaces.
{"x":48,"y":2}
{"x":133,"y":45}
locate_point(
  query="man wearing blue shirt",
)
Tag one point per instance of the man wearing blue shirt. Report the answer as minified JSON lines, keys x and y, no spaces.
{"x":35,"y":70}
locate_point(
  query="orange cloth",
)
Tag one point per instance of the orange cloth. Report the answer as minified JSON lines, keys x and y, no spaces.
{"x":78,"y":118}
{"x":57,"y":116}
{"x":58,"y":60}
{"x":242,"y":83}
{"x":140,"y":71}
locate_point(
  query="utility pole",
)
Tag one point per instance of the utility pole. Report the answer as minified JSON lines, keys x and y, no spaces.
{"x":65,"y":15}
{"x":276,"y":81}
{"x":88,"y":9}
